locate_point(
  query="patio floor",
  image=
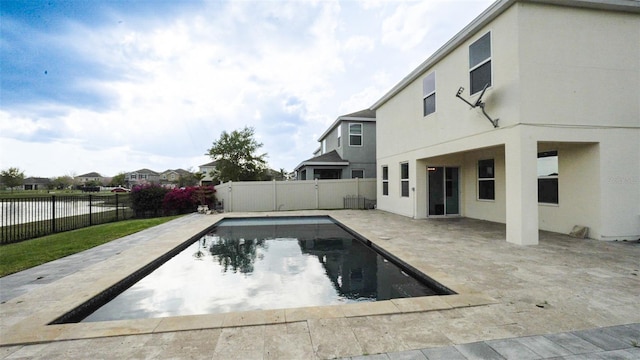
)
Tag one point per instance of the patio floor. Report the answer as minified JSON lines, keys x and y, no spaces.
{"x":508,"y":296}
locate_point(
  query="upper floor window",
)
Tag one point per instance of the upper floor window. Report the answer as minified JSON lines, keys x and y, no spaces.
{"x":339,"y":134}
{"x":355,"y":134}
{"x":357,"y":173}
{"x":385,"y":180}
{"x":548,"y":177}
{"x":404,"y":179}
{"x":480,"y":63}
{"x":133,"y":176}
{"x":429,"y":94}
{"x":486,"y":180}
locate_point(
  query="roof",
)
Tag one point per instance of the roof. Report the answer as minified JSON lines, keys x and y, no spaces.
{"x":90,"y":175}
{"x":177,"y":171}
{"x":331,"y":158}
{"x":213,"y":163}
{"x":489,"y":15}
{"x":36,"y":180}
{"x":362,"y":115}
{"x":144,"y":171}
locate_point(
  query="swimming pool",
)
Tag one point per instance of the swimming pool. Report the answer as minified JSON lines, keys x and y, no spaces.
{"x":256,"y":264}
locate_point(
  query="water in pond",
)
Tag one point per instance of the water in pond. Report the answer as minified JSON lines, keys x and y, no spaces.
{"x":251,"y":265}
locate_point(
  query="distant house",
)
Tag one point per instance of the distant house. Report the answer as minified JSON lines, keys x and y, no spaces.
{"x":90,"y":177}
{"x":563,"y":81}
{"x":173,"y":176}
{"x":347,"y":150}
{"x":36,"y":183}
{"x":142,"y":176}
{"x":206,"y":170}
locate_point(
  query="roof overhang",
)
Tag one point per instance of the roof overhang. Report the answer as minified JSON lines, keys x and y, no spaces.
{"x":321,"y":163}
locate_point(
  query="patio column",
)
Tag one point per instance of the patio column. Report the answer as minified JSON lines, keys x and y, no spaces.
{"x":521,"y":156}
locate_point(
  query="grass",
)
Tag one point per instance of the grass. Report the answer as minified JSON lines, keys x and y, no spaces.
{"x":30,"y":253}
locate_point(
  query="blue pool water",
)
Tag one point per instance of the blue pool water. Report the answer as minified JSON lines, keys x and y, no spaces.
{"x":266,"y":263}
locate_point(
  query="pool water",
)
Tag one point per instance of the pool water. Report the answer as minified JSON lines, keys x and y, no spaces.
{"x":260,"y":264}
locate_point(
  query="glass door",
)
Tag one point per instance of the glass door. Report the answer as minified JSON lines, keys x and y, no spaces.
{"x":444,"y":191}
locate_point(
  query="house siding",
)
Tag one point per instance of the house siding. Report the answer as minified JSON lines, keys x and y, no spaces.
{"x":562,"y":79}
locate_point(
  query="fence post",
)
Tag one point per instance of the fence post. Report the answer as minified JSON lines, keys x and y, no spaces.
{"x":53,"y":214}
{"x":275,"y":196}
{"x":116,"y":206}
{"x":90,"y":210}
{"x":317,"y":195}
{"x":230,"y":196}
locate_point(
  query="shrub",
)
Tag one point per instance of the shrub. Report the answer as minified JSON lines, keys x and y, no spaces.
{"x":186,"y":200}
{"x":146,"y":200}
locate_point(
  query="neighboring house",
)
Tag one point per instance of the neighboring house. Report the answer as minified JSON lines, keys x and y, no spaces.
{"x":173,"y":176}
{"x":206,"y":170}
{"x":142,"y":176}
{"x":89,"y":177}
{"x":36,"y":183}
{"x":564,"y":82}
{"x":347,"y":150}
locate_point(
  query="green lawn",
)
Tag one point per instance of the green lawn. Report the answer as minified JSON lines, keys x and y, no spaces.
{"x":30,"y":253}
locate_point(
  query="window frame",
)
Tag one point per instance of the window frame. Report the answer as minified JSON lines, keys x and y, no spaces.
{"x":481,"y":63}
{"x":352,"y":170}
{"x":385,"y":180}
{"x":351,"y":135}
{"x":426,"y":95}
{"x":486,"y":179}
{"x":404,"y":180}
{"x":552,"y":177}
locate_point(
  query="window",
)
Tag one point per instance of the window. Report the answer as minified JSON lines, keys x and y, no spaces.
{"x":133,"y":176}
{"x":143,"y":176}
{"x":486,"y":180}
{"x":357,"y":173}
{"x":429,"y":94}
{"x":480,"y":63}
{"x":355,"y":134}
{"x":324,"y":146}
{"x":548,"y":177}
{"x":339,"y":134}
{"x":404,"y":179}
{"x":385,"y":180}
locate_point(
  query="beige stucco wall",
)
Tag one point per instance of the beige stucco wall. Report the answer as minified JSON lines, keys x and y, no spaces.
{"x":564,"y":79}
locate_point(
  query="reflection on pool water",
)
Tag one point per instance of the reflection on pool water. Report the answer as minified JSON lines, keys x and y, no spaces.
{"x":256,"y":265}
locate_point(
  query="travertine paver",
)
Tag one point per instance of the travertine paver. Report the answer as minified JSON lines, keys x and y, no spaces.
{"x":559,"y":297}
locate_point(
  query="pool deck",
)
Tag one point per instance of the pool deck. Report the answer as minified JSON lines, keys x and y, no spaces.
{"x":564,"y":298}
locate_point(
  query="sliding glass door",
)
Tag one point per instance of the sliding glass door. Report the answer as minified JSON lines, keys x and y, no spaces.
{"x":444,"y":191}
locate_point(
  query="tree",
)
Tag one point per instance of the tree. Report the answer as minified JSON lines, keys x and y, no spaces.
{"x":235,"y":156}
{"x":12,"y":177}
{"x":118,"y":180}
{"x":61,"y":182}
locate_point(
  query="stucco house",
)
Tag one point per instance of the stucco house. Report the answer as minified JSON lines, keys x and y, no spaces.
{"x":529,"y":116}
{"x":36,"y":183}
{"x":206,"y":170}
{"x":173,"y":176}
{"x":347,"y":150}
{"x":142,"y":176}
{"x":89,"y":177}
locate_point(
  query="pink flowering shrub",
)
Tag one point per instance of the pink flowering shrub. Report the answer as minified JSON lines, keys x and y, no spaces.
{"x":186,"y":200}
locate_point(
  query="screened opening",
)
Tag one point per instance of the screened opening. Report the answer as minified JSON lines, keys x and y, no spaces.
{"x":548,"y":177}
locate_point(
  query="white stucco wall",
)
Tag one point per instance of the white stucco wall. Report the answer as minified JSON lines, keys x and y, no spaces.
{"x":563,"y":79}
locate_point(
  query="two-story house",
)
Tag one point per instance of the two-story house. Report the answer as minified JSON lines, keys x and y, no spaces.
{"x":92,"y":177}
{"x":347,"y":150}
{"x":207,"y":170}
{"x":142,"y":176}
{"x":173,"y":176}
{"x":529,"y":116}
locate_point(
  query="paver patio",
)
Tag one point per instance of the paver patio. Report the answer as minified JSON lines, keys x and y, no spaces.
{"x":505,"y":291}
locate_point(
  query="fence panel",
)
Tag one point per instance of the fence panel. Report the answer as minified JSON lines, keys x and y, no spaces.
{"x":293,"y":195}
{"x":29,"y":217}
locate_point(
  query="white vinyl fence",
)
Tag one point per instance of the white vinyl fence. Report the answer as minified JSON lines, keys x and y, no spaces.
{"x":297,"y":195}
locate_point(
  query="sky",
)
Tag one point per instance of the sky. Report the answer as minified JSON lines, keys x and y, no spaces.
{"x":115,"y":86}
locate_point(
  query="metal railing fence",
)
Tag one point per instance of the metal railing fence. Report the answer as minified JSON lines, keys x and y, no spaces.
{"x":23,"y":218}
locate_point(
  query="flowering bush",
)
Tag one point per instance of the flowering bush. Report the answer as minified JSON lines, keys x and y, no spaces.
{"x":146,"y":200}
{"x":187,"y":199}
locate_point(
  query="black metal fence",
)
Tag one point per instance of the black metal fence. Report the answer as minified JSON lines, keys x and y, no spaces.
{"x":23,"y":218}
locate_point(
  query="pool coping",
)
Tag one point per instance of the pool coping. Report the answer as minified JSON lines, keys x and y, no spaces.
{"x":45,"y":304}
